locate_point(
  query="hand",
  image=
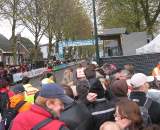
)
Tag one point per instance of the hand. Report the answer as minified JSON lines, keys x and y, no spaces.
{"x":91,"y":97}
{"x":124,"y":123}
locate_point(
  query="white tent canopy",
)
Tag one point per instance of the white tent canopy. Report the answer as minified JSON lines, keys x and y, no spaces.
{"x":152,"y":47}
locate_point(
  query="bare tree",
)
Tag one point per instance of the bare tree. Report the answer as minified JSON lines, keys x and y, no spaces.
{"x":11,"y":9}
{"x":33,"y":19}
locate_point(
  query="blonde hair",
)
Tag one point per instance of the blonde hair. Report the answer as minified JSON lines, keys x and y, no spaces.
{"x":42,"y":101}
{"x":68,"y":77}
{"x":109,"y":126}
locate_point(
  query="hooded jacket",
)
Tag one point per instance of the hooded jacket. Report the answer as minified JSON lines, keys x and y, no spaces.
{"x":29,"y":119}
{"x":17,"y":99}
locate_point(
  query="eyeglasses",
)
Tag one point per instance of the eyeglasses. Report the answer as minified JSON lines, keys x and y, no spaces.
{"x":116,"y":115}
{"x":119,"y":116}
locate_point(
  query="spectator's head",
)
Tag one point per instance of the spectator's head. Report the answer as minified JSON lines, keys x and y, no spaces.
{"x":119,"y":88}
{"x":25,"y":80}
{"x":48,"y":78}
{"x":68,"y":90}
{"x":100,"y":73}
{"x":91,"y":66}
{"x":90,"y":73}
{"x":129,"y":67}
{"x":115,"y":75}
{"x":125,"y":74}
{"x":128,"y":114}
{"x":67,"y":77}
{"x":79,"y":65}
{"x":53,"y":98}
{"x":109,"y":68}
{"x":109,"y":126}
{"x":19,"y":89}
{"x":82,"y":88}
{"x":139,"y":82}
{"x":94,"y":63}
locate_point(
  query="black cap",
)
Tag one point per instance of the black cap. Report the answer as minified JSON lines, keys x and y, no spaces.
{"x":18,"y":89}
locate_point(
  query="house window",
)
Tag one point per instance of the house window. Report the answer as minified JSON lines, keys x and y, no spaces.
{"x":111,"y":48}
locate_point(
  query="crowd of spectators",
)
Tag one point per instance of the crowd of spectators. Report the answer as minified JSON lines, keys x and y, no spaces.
{"x":88,"y":98}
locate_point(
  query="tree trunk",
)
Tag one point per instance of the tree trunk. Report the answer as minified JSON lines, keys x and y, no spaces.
{"x":14,"y":44}
{"x":35,"y":58}
{"x":57,"y":47}
{"x":50,"y":47}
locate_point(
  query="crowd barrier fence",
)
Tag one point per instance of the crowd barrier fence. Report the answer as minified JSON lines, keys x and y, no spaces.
{"x":142,"y":63}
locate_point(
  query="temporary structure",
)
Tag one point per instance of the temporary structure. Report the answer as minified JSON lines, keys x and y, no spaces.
{"x":152,"y":47}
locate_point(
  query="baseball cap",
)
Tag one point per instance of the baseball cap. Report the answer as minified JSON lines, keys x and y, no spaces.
{"x":94,"y":63}
{"x":139,"y":79}
{"x":54,"y":90}
{"x":18,"y":89}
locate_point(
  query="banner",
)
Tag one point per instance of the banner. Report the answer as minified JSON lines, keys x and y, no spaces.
{"x":30,"y":74}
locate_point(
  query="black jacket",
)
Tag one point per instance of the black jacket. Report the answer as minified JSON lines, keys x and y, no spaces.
{"x":154,"y":110}
{"x":96,"y":87}
{"x":77,"y":117}
{"x":102,"y":110}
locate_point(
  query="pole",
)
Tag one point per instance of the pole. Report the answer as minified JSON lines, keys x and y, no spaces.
{"x":95,"y":31}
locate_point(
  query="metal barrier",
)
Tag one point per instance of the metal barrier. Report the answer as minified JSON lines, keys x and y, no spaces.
{"x":142,"y":63}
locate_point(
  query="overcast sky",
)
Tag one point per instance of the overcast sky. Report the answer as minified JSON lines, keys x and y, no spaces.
{"x":6,"y":30}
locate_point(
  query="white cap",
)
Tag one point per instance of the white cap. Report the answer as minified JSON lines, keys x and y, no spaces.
{"x":94,"y":63}
{"x":139,"y":79}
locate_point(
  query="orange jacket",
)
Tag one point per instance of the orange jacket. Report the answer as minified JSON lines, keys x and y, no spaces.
{"x":16,"y":99}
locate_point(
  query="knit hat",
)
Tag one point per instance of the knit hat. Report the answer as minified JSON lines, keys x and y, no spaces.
{"x":55,"y":91}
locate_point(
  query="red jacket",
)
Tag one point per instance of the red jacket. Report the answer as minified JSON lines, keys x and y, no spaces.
{"x":9,"y":92}
{"x":27,"y":120}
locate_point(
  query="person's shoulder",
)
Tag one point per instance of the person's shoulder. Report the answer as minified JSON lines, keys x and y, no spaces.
{"x":155,"y":106}
{"x":22,"y":116}
{"x":154,"y":103}
{"x":25,"y":107}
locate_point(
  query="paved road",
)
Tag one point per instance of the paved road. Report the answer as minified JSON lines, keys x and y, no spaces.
{"x":59,"y":76}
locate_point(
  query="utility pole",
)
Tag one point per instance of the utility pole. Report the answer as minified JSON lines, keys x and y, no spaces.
{"x":95,"y":32}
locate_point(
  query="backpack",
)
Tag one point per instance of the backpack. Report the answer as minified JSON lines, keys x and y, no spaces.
{"x":4,"y":100}
{"x":10,"y":114}
{"x":144,"y":112}
{"x":42,"y":124}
